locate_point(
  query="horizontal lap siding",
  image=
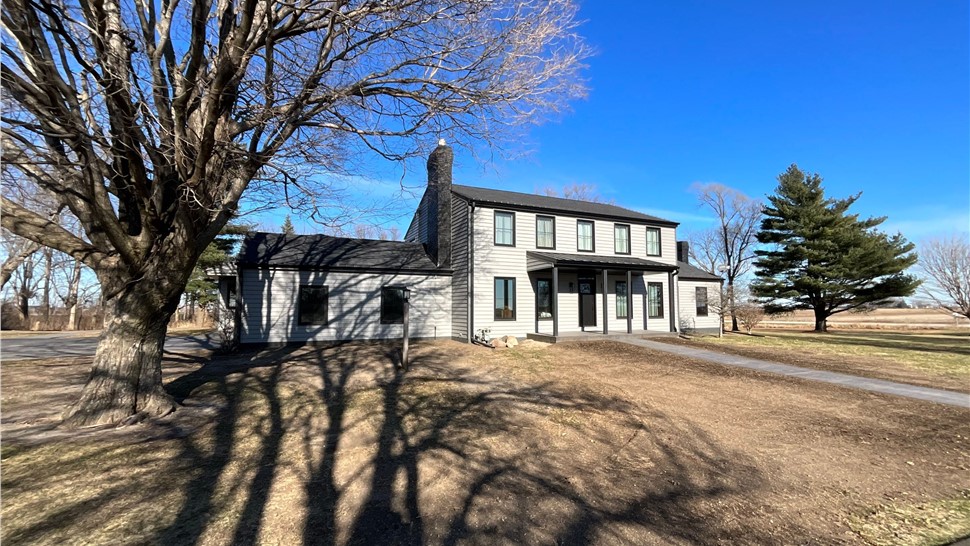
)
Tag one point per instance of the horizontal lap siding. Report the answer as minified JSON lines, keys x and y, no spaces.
{"x":661,"y":324}
{"x":270,"y":300}
{"x":688,"y":304}
{"x":499,"y":261}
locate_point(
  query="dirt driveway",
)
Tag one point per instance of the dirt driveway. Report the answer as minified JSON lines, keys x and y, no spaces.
{"x":598,"y":443}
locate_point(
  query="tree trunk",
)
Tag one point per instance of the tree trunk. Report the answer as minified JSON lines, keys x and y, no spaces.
{"x":125,"y":384}
{"x":48,"y":271}
{"x":821,"y":321}
{"x":72,"y":300}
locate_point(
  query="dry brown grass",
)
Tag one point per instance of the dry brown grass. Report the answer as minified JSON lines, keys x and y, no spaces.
{"x":581,"y":443}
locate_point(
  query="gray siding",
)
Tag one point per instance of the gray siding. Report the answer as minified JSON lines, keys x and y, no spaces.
{"x":270,"y":300}
{"x":459,"y":262}
{"x":688,"y":305}
{"x":420,"y":229}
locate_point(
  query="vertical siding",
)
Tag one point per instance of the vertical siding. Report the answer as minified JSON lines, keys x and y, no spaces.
{"x":688,"y":305}
{"x":270,"y":300}
{"x":459,"y":262}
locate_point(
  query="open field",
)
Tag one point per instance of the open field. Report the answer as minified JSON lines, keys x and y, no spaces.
{"x":600,"y":443}
{"x":928,"y":358}
{"x":879,"y":318}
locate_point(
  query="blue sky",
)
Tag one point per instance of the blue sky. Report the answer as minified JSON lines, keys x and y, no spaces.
{"x":874,"y":96}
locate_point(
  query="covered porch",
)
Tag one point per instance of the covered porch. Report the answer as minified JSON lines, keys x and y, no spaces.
{"x":588,"y":295}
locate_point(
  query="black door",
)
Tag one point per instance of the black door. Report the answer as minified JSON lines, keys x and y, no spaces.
{"x":587,"y":301}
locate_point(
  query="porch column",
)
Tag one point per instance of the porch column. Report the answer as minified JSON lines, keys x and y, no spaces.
{"x":606,"y":307}
{"x":555,"y":301}
{"x":673,"y":301}
{"x":629,"y":301}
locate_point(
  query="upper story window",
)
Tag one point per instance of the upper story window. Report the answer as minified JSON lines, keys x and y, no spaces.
{"x":700,"y":297}
{"x":312,"y":308}
{"x":504,"y":228}
{"x":653,"y":241}
{"x":545,"y":232}
{"x":621,"y":238}
{"x":584,"y":236}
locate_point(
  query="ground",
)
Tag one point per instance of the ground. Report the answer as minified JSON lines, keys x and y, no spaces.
{"x":600,"y":443}
{"x":928,"y":358}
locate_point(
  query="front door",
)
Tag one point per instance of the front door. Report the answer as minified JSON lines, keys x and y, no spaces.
{"x":587,"y":301}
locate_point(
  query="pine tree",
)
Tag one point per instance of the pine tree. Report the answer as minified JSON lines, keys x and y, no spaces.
{"x":287,"y":227}
{"x":820,"y":257}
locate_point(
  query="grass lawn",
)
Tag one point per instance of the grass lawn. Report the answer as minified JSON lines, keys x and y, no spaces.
{"x":938,"y":359}
{"x":594,"y":443}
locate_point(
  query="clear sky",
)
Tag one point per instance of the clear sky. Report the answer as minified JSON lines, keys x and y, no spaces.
{"x":874,"y":96}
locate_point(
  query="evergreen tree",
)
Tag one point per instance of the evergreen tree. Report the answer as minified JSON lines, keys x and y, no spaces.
{"x":201,"y":289}
{"x":287,"y":227}
{"x":822,"y":258}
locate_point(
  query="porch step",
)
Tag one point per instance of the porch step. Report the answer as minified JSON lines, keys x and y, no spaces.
{"x":595,"y":336}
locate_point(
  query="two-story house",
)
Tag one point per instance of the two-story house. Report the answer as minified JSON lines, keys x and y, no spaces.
{"x":475,"y":258}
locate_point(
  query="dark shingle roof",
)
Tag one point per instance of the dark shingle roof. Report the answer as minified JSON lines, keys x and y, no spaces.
{"x":592,"y":260}
{"x":338,"y":253}
{"x":553,"y":204}
{"x":690,"y":272}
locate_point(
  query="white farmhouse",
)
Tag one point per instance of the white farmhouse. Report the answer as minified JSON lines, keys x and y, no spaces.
{"x":472,"y":259}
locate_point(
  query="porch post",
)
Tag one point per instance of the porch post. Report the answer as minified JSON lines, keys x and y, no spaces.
{"x":629,"y":301}
{"x":555,"y":301}
{"x":606,"y":307}
{"x":673,"y":302}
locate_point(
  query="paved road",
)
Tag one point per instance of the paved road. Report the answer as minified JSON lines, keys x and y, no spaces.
{"x":851,"y":381}
{"x":69,"y":345}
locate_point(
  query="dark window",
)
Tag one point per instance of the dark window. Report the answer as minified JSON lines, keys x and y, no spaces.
{"x":504,"y":228}
{"x":504,"y":298}
{"x":392,"y":305}
{"x":653,"y":242}
{"x":313,"y":306}
{"x":621,"y":295}
{"x":700,"y":297}
{"x":621,"y":239}
{"x":584,"y":236}
{"x":544,"y":299}
{"x":655,"y":300}
{"x":545,"y":232}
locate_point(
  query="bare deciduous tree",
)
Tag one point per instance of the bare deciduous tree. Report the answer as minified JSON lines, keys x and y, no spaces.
{"x":149,"y":120}
{"x":728,"y":247}
{"x":945,"y":264}
{"x":579,"y":191}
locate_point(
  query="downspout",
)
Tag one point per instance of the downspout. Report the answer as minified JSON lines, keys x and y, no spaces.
{"x":237,"y":313}
{"x":470,"y":269}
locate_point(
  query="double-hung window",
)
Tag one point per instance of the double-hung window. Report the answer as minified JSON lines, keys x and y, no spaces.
{"x":621,"y":299}
{"x":655,"y":300}
{"x":504,"y":298}
{"x":653,"y":242}
{"x":312,"y":309}
{"x":621,"y":238}
{"x":504,"y":228}
{"x":584,"y":236}
{"x":545,"y":232}
{"x":700,"y":298}
{"x":392,"y":305}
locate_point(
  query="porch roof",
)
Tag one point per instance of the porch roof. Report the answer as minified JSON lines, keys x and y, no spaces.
{"x":544,"y":260}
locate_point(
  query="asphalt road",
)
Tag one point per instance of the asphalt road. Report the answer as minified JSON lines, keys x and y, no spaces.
{"x":70,"y":345}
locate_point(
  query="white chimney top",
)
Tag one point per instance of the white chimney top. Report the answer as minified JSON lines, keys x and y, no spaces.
{"x":441,"y":142}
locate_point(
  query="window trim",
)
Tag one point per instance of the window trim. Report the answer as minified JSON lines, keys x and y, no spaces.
{"x":545,"y":217}
{"x":392,"y":287}
{"x":616,"y":291}
{"x":326,"y":305}
{"x":495,"y":214}
{"x":697,"y":308}
{"x":592,"y":231}
{"x":494,"y":301}
{"x":660,"y":300}
{"x":552,"y":311}
{"x":629,"y":242}
{"x":660,"y":247}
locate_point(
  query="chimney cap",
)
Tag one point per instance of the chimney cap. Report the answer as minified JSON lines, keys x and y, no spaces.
{"x":441,"y":142}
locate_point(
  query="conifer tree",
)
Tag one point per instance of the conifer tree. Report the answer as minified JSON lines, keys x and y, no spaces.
{"x":820,"y":257}
{"x":287,"y":227}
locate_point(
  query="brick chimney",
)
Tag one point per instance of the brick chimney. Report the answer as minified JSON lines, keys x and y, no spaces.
{"x":439,"y":192}
{"x":683,"y":252}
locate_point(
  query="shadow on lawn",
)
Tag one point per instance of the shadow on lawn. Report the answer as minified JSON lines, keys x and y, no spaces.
{"x":660,"y":480}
